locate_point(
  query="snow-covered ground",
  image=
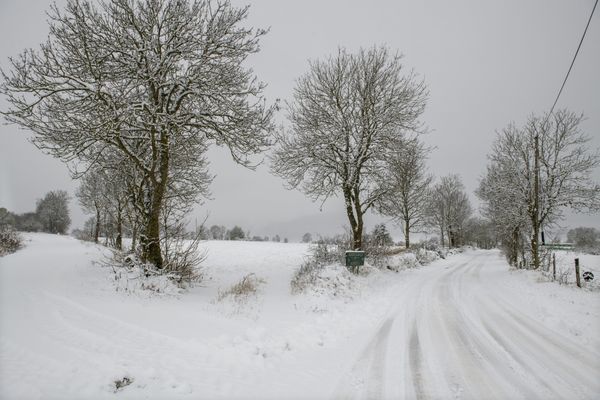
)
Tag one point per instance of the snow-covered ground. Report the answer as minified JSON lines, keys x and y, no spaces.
{"x":464,"y":327}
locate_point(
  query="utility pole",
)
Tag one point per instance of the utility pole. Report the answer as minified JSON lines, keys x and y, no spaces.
{"x":536,"y":205}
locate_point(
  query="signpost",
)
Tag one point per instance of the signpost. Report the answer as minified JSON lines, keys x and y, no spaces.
{"x":559,"y":246}
{"x":354,"y":259}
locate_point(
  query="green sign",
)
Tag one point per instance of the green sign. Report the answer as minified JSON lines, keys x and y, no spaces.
{"x":355,"y":258}
{"x":559,"y":246}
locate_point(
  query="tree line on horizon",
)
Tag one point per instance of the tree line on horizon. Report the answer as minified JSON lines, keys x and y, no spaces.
{"x":51,"y":215}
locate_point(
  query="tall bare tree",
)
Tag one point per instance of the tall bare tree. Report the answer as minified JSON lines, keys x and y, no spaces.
{"x":406,"y":202}
{"x":151,"y":79}
{"x":53,"y":212}
{"x":501,"y":192}
{"x":449,"y":209}
{"x":565,"y":164}
{"x":350,"y":113}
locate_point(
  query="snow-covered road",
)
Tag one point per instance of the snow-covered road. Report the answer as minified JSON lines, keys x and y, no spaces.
{"x":465,"y":332}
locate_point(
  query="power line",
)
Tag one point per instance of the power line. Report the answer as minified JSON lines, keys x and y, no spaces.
{"x":572,"y":62}
{"x":537,"y":154}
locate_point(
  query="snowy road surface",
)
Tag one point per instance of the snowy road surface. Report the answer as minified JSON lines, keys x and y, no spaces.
{"x":460,"y":333}
{"x":461,"y":328}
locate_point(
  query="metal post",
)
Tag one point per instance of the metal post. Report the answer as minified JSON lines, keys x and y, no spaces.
{"x":553,"y":266}
{"x":577,"y":272}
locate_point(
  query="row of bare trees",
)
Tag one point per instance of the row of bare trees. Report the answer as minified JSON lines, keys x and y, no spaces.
{"x":535,"y":172}
{"x":355,"y":132}
{"x":130,"y":94}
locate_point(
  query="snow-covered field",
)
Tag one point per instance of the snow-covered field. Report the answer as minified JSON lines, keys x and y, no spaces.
{"x":464,"y":327}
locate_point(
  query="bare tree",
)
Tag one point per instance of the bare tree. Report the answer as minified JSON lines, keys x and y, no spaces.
{"x":349,"y":115}
{"x":89,"y":194}
{"x":307,"y":238}
{"x":500,"y":192}
{"x":406,"y":201}
{"x":217,"y":232}
{"x":152,"y":80}
{"x":552,"y":151}
{"x":53,"y":212}
{"x":480,"y":232}
{"x":448,"y":209}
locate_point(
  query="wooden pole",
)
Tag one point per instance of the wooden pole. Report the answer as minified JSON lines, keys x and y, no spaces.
{"x":577,"y":272}
{"x":553,"y":266}
{"x":536,"y":206}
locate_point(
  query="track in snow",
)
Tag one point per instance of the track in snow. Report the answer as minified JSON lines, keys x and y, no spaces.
{"x":456,"y":334}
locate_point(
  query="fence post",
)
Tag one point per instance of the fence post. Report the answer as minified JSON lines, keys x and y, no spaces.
{"x":577,"y":272}
{"x":553,"y":266}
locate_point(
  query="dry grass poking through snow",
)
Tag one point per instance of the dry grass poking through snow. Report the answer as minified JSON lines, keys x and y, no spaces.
{"x":242,"y":290}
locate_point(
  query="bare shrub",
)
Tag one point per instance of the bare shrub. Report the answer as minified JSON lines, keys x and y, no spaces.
{"x":376,"y":254}
{"x":562,"y":276}
{"x":425,"y":256}
{"x":183,"y":264}
{"x":306,"y":276}
{"x":328,"y":251}
{"x":245,"y":288}
{"x":10,"y":241}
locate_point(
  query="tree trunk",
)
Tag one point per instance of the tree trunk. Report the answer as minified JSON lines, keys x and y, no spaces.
{"x":536,"y":207}
{"x":358,"y":233}
{"x":151,"y":248}
{"x":151,"y":242}
{"x":407,"y":233}
{"x":355,"y":226}
{"x":133,"y":236}
{"x":534,"y":247}
{"x":515,"y":248}
{"x":97,"y":230}
{"x":119,"y":239}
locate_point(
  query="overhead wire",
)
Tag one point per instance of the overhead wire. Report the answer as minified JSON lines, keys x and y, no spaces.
{"x":572,"y":62}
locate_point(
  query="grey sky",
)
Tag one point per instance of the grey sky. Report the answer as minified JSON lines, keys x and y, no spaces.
{"x":485,"y":63}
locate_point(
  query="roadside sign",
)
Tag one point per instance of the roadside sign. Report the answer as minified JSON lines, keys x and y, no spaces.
{"x":588,"y":276}
{"x":355,"y":259}
{"x":559,"y":246}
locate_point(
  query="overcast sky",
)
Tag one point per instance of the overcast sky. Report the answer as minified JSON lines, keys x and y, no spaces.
{"x":485,"y":63}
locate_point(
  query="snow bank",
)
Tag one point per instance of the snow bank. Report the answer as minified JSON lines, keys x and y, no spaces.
{"x":412,"y":259}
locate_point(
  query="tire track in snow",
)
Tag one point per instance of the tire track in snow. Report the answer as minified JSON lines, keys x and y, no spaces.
{"x":545,"y":360}
{"x":416,"y":364}
{"x":375,"y":383}
{"x":462,"y":337}
{"x":366,"y":378}
{"x":497,"y":374}
{"x":472,"y":358}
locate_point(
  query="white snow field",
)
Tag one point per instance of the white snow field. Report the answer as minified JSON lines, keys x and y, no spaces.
{"x":462,"y":328}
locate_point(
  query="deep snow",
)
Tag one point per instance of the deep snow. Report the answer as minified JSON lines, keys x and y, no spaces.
{"x":464,"y":327}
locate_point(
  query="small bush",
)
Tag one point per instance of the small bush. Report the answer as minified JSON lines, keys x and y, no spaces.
{"x":82,"y":235}
{"x":425,"y":256}
{"x":182,"y":257}
{"x":10,"y":241}
{"x":324,"y":253}
{"x":306,"y":276}
{"x":245,"y":288}
{"x":132,"y":276}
